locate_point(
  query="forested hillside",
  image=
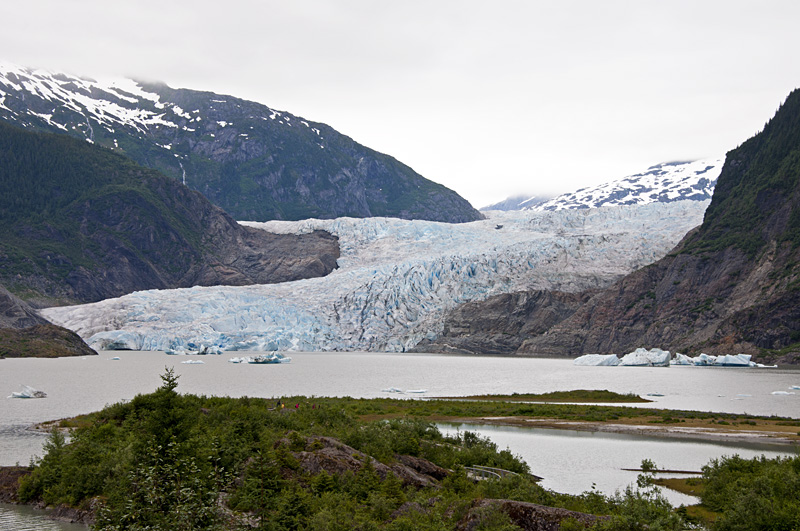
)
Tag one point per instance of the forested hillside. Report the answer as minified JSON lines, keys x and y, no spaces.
{"x":79,"y":223}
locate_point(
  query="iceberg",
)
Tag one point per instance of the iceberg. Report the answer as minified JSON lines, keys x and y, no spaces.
{"x":272,"y":357}
{"x":682,"y":359}
{"x":646,"y":358}
{"x":738,"y":360}
{"x":597,"y":360}
{"x":396,"y":281}
{"x":706,"y":360}
{"x":28,"y":392}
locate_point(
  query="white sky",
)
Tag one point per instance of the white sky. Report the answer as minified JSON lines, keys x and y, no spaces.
{"x":487,"y":98}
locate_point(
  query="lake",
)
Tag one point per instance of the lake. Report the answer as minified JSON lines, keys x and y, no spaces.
{"x":82,"y":385}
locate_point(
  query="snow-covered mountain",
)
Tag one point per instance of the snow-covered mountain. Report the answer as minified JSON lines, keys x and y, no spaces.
{"x":662,"y":183}
{"x":253,"y":161}
{"x":396,"y":279}
{"x":518,"y":202}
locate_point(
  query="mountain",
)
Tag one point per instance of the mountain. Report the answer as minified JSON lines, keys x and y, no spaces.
{"x":395,"y":282}
{"x":518,"y":202}
{"x":24,"y":334}
{"x":662,"y":183}
{"x":79,"y":223}
{"x":731,"y":286}
{"x":255,"y":162}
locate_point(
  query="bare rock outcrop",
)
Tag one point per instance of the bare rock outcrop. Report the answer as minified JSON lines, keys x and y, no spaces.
{"x":336,"y":458}
{"x":500,"y":324}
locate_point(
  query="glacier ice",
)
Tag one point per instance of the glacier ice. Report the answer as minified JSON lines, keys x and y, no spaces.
{"x":597,"y":360}
{"x":28,"y":392}
{"x":706,"y":360}
{"x":660,"y":358}
{"x":395,"y":282}
{"x":642,"y":357}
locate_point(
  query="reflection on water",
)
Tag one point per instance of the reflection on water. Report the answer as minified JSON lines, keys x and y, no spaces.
{"x":572,"y":461}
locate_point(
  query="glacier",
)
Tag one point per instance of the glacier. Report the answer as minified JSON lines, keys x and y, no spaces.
{"x":395,"y":282}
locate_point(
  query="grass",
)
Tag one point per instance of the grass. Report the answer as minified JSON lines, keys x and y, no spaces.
{"x":690,"y":486}
{"x":575,"y":396}
{"x":496,"y":410}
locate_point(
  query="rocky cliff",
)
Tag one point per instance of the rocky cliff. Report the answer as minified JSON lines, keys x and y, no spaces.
{"x":732,"y":285}
{"x":24,"y":334}
{"x":501,"y":324}
{"x":79,"y":223}
{"x":255,"y":162}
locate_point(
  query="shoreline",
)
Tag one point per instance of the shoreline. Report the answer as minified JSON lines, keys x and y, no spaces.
{"x":704,"y":433}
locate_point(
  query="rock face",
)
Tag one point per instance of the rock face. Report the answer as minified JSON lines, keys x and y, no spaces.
{"x":23,"y":334}
{"x":254,"y":162}
{"x":336,"y":458}
{"x":82,"y":224}
{"x":42,"y":341}
{"x":9,"y":482}
{"x":731,"y":286}
{"x":16,"y":313}
{"x":502,"y":323}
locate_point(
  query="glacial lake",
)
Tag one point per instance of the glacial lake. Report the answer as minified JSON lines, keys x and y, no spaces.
{"x":570,"y":461}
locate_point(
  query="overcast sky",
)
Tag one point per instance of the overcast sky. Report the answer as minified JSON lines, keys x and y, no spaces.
{"x":487,"y":98}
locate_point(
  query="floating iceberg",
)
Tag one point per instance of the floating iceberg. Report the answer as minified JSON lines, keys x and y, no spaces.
{"x":202,"y":350}
{"x":28,"y":392}
{"x":193,"y":362}
{"x":738,"y":360}
{"x":392,"y":390}
{"x":646,"y":358}
{"x":660,"y":358}
{"x":272,"y":357}
{"x":705,"y":360}
{"x":782,"y":393}
{"x":682,"y":359}
{"x":597,"y":360}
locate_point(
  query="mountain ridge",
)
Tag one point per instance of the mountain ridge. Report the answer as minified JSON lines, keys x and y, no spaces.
{"x":255,"y":162}
{"x":660,"y":183}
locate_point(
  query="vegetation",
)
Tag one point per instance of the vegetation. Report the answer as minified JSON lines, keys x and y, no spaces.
{"x":41,"y":341}
{"x":255,"y":167}
{"x":755,"y":197}
{"x":63,"y":202}
{"x":578,"y":395}
{"x":753,"y":494}
{"x":171,"y":461}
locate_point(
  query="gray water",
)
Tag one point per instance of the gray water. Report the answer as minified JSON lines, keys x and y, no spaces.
{"x":574,"y":462}
{"x":82,"y":385}
{"x":21,"y":518}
